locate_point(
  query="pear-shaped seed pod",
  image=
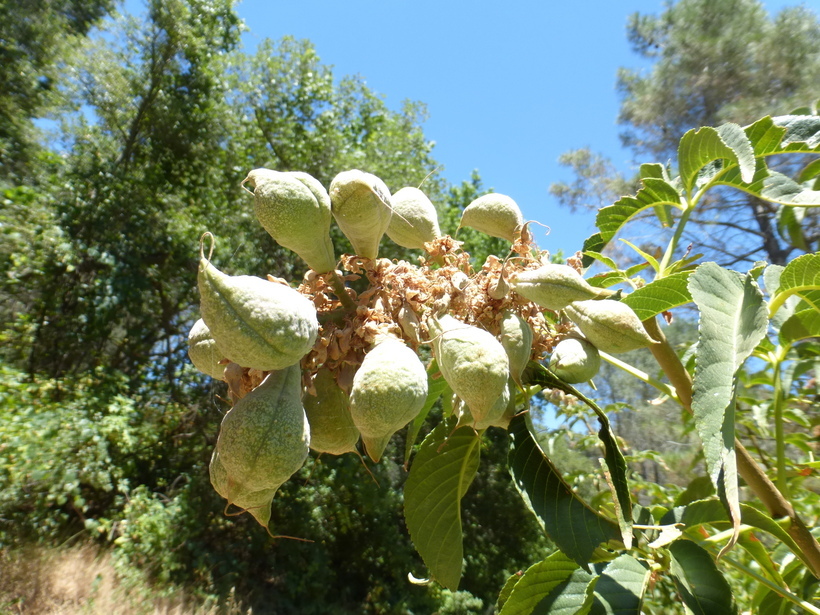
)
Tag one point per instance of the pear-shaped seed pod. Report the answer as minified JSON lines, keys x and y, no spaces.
{"x":294,"y":208}
{"x":494,"y":214}
{"x":516,"y":338}
{"x":611,"y":326}
{"x":264,"y":438}
{"x":203,"y":352}
{"x":256,"y":323}
{"x":575,"y":360}
{"x":362,"y":207}
{"x":389,"y":389}
{"x":414,"y":221}
{"x":472,"y":362}
{"x":553,"y":286}
{"x":332,"y":429}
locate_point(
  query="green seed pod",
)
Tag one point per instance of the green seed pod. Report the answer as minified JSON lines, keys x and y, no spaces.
{"x":473,"y":363}
{"x":575,"y":360}
{"x":362,"y":207}
{"x":389,"y":389}
{"x":611,"y":326}
{"x":258,"y":324}
{"x":258,"y":503}
{"x":553,"y":286}
{"x":294,"y":208}
{"x":331,"y":425}
{"x":516,"y":338}
{"x":414,"y":221}
{"x":494,"y":214}
{"x":203,"y":352}
{"x":263,"y":439}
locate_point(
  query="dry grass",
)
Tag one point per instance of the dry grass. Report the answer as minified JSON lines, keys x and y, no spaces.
{"x":81,"y":580}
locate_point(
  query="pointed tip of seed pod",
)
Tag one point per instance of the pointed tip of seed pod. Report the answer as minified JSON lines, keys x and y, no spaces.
{"x":374,"y":447}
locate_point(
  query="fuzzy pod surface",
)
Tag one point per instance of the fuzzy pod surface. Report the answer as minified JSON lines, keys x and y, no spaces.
{"x":493,"y":214}
{"x":389,"y":389}
{"x":473,"y":363}
{"x":415,"y":219}
{"x":611,"y":326}
{"x":294,"y":208}
{"x":361,"y":204}
{"x":203,"y":352}
{"x":332,"y":429}
{"x":255,"y":323}
{"x":575,"y":360}
{"x":516,"y":337}
{"x":553,"y":286}
{"x":264,"y":439}
{"x":257,"y":503}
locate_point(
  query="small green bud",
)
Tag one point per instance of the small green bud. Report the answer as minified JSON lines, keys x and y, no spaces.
{"x":516,"y":338}
{"x":389,"y":389}
{"x":474,"y":364}
{"x":294,"y":208}
{"x":414,"y":221}
{"x":611,"y":326}
{"x":255,"y":323}
{"x":362,"y":207}
{"x":494,"y":214}
{"x":575,"y":360}
{"x":332,"y":429}
{"x":203,"y":352}
{"x":553,"y":286}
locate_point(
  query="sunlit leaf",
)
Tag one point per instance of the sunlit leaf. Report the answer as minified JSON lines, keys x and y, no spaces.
{"x":700,"y":147}
{"x":654,"y":192}
{"x":732,"y":322}
{"x":800,"y":326}
{"x":660,"y":295}
{"x":440,"y":475}
{"x":801,"y":276}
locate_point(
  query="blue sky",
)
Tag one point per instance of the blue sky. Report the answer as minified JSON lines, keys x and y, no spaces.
{"x":509,"y":85}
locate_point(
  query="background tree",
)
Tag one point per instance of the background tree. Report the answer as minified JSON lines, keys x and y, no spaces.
{"x":713,"y":62}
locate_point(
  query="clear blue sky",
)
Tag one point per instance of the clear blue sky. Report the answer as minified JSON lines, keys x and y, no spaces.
{"x":509,"y":85}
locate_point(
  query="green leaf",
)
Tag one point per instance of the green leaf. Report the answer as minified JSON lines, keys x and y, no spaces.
{"x":615,"y":462}
{"x":506,"y":591}
{"x":732,"y":322}
{"x":621,"y":587}
{"x":800,"y":326}
{"x":604,"y":260}
{"x":700,"y":147}
{"x":537,"y":583}
{"x":440,"y":475}
{"x":699,"y":488}
{"x":790,"y":226}
{"x":571,"y":524}
{"x":660,"y":295}
{"x":700,"y":584}
{"x":801,"y":276}
{"x":572,"y":597}
{"x":783,"y":134}
{"x":593,"y":243}
{"x":645,"y":255}
{"x":654,"y":192}
{"x":712,"y":512}
{"x":436,"y":387}
{"x":810,"y":171}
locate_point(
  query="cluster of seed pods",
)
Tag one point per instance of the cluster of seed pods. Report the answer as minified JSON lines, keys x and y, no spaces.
{"x":323,"y":367}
